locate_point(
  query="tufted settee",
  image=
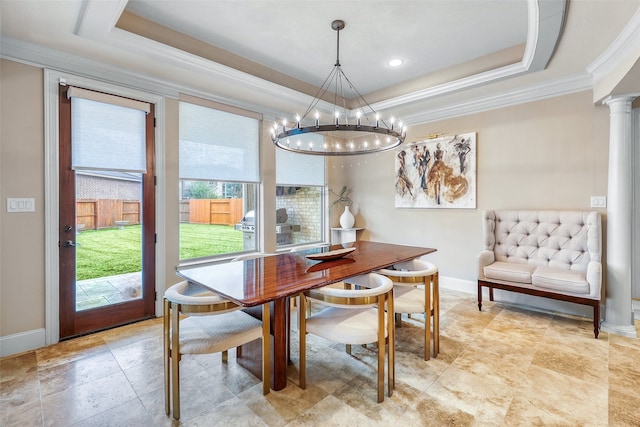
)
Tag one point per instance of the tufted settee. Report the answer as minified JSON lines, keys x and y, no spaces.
{"x":553,"y":254}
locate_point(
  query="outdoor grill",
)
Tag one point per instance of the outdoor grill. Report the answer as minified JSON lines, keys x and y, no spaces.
{"x":284,"y":230}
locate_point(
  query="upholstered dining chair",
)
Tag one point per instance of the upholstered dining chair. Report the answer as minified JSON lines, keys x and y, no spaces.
{"x":416,"y":291}
{"x":209,"y":324}
{"x":353,"y":316}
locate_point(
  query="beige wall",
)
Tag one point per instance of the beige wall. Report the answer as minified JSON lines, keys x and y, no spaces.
{"x":547,"y":154}
{"x":550,"y":154}
{"x":171,"y":231}
{"x":21,"y":175}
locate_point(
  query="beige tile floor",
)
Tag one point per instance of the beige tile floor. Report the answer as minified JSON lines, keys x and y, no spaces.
{"x":505,"y":366}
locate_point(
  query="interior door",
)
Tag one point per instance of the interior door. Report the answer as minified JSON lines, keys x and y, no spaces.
{"x":106,"y":242}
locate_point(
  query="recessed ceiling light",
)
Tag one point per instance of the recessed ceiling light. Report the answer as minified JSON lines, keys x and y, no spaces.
{"x":395,"y":62}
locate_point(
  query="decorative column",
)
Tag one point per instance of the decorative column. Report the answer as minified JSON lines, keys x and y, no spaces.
{"x":619,"y":314}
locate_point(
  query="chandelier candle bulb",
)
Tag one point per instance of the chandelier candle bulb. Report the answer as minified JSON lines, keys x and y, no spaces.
{"x":317,"y":120}
{"x":337,"y":116}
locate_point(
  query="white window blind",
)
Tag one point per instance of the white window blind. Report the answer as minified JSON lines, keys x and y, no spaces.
{"x":217,"y":146}
{"x":295,"y":169}
{"x":105,"y":135}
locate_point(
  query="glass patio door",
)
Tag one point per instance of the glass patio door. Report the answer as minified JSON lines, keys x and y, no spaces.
{"x":107,"y":218}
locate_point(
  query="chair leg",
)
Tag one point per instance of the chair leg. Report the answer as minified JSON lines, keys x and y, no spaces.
{"x":399,"y":319}
{"x":381,"y":347}
{"x":225,"y":356}
{"x":427,"y":317}
{"x":166,"y":356}
{"x":436,"y":314}
{"x":302,"y":330}
{"x":175,"y":359}
{"x":391,"y":356}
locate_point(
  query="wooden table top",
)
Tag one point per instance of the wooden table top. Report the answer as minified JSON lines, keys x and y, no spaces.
{"x":256,"y":281}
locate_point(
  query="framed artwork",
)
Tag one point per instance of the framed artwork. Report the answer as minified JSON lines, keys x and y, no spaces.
{"x":437,"y":173}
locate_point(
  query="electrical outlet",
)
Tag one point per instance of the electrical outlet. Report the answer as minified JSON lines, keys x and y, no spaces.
{"x":598,"y":202}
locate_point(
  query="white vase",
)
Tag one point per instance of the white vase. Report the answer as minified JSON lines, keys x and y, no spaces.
{"x":346,"y":219}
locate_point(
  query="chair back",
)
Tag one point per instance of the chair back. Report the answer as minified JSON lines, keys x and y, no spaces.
{"x":410,"y":273}
{"x":378,"y":286}
{"x":192,"y":298}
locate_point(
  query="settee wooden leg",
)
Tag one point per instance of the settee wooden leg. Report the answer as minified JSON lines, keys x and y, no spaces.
{"x":479,"y":296}
{"x":596,"y":320}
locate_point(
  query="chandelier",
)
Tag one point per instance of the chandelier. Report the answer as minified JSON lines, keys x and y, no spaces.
{"x":349,"y":131}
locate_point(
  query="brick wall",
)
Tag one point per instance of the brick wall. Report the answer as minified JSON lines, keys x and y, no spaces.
{"x":96,"y":187}
{"x":304,"y":207}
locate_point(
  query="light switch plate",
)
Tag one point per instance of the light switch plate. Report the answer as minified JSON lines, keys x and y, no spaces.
{"x":598,"y":202}
{"x":21,"y":204}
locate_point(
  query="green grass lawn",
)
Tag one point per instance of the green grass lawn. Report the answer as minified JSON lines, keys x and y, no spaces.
{"x":111,"y":251}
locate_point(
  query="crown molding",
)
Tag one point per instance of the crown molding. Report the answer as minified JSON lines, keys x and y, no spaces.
{"x":452,"y":86}
{"x":36,"y":55}
{"x":625,"y":45}
{"x":536,"y":92}
{"x":39,"y":56}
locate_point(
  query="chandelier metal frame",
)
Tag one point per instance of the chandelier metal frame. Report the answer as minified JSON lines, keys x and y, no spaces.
{"x":340,"y":137}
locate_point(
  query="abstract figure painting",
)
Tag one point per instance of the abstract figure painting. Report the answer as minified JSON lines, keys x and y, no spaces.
{"x":437,"y":173}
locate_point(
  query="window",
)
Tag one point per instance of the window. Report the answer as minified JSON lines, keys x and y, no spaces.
{"x":219,"y":176}
{"x":300,"y":181}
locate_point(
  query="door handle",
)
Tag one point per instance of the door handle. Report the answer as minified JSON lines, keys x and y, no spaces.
{"x":71,"y":243}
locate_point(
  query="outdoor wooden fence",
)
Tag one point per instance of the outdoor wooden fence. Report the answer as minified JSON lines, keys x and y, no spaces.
{"x":211,"y":211}
{"x":92,"y":214}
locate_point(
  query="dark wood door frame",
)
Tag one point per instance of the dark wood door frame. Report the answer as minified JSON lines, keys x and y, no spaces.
{"x":74,"y":323}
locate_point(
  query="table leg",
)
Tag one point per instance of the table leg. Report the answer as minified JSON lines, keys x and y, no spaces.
{"x":251,"y":354}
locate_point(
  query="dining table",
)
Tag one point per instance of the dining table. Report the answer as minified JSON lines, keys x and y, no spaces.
{"x":274,"y":279}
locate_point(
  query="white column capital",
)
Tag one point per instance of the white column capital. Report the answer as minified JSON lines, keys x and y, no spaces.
{"x":620,"y":100}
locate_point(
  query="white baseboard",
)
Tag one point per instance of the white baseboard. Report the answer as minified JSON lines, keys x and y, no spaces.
{"x":23,"y":341}
{"x":460,"y":285}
